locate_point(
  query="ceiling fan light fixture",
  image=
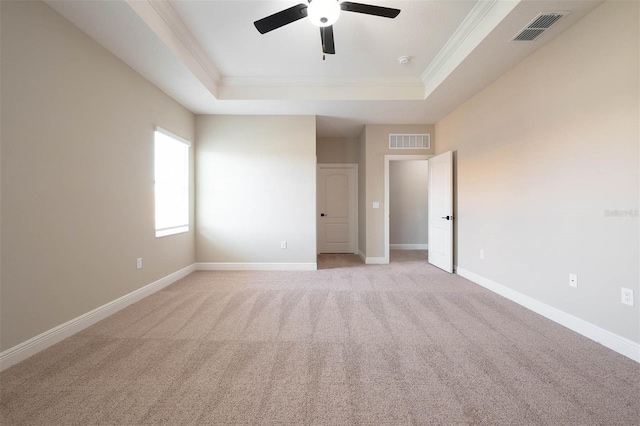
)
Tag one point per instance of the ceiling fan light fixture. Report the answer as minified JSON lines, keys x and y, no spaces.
{"x":323,"y":13}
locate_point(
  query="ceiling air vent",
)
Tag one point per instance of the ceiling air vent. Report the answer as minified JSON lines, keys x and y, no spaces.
{"x":409,"y":141}
{"x":540,"y":24}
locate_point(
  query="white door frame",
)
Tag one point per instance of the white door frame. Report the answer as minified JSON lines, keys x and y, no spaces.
{"x":387,"y":160}
{"x":353,"y":166}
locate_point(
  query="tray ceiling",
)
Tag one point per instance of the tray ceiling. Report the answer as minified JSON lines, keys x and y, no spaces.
{"x":208,"y":55}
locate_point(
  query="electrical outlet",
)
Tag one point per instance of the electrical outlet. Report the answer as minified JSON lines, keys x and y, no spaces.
{"x":573,"y":280}
{"x":481,"y":254}
{"x":626,"y":295}
{"x":139,"y":263}
{"x":283,"y":245}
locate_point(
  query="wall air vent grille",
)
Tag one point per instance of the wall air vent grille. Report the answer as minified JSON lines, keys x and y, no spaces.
{"x":536,"y":27}
{"x":409,"y":141}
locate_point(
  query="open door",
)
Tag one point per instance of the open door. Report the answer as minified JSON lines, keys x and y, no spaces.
{"x":441,"y":211}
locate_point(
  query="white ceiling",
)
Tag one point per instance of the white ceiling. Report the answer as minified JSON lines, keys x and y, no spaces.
{"x":209,"y":57}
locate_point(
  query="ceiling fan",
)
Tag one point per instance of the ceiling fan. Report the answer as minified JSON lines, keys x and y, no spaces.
{"x":322,"y":13}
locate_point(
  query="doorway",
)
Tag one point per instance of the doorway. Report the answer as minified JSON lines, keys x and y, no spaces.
{"x":387,"y":189}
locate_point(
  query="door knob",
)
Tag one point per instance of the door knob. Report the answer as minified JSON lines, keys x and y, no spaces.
{"x":322,"y":214}
{"x":447,"y":217}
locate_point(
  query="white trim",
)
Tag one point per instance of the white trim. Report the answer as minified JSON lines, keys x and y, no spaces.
{"x":321,"y":89}
{"x":167,"y":25}
{"x":362,"y":256}
{"x":49,"y":338}
{"x":613,"y":341}
{"x":322,"y":82}
{"x":409,"y":246}
{"x":387,"y":159}
{"x":239,"y":266}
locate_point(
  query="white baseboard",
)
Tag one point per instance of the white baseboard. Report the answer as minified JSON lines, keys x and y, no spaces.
{"x":409,"y":246}
{"x":238,"y":266}
{"x":615,"y":342}
{"x":372,"y":260}
{"x":49,"y":338}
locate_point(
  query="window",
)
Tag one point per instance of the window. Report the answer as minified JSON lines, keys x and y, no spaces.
{"x":171,"y":165}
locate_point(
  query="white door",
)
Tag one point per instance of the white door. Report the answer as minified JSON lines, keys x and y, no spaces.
{"x":337,"y":208}
{"x":441,"y":211}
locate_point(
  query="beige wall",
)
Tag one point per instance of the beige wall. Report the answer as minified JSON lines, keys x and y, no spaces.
{"x":77,"y":174}
{"x":408,"y":202}
{"x":256,"y":187}
{"x":542,"y":155}
{"x":377,"y":146}
{"x":337,"y":150}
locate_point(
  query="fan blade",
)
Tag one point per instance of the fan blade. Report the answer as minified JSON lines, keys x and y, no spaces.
{"x":369,"y":9}
{"x":326,"y":34}
{"x":281,"y":18}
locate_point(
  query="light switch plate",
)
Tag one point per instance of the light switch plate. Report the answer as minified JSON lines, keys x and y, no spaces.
{"x":376,"y":205}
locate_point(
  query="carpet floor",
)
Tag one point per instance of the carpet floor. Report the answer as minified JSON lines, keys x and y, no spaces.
{"x":396,"y":344}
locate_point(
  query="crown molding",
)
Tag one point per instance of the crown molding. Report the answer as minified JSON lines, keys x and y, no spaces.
{"x":322,"y":92}
{"x":235,"y":88}
{"x":483,"y":18}
{"x":164,"y":21}
{"x":322,"y":81}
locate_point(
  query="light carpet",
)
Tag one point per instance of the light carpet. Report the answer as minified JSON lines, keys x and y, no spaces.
{"x":394,"y":344}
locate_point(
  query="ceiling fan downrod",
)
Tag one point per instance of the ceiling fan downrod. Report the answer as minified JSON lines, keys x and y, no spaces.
{"x":324,"y":46}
